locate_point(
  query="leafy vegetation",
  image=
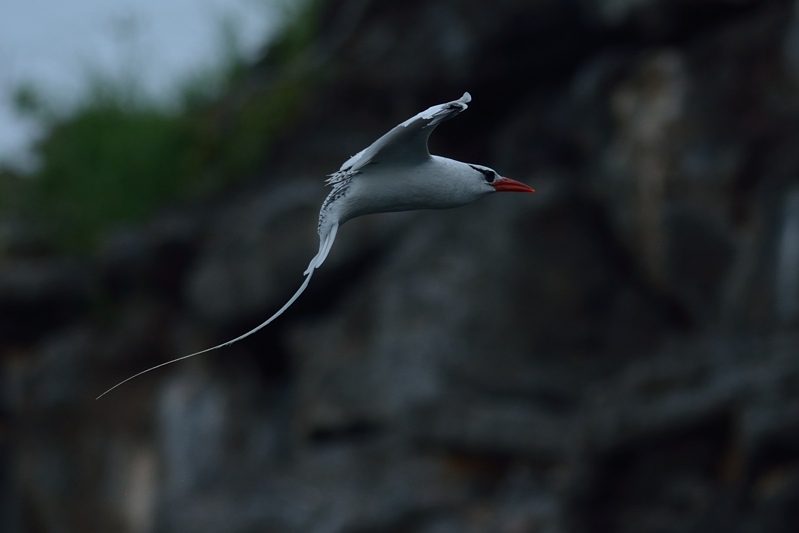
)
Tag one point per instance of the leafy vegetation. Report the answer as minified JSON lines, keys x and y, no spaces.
{"x":117,"y":156}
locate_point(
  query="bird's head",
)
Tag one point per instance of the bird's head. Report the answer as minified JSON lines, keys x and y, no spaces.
{"x":488,"y":180}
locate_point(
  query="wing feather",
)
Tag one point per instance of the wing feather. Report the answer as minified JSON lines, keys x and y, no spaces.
{"x":406,"y":142}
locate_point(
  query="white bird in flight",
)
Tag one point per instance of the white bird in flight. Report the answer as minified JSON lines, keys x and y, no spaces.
{"x":395,"y":173}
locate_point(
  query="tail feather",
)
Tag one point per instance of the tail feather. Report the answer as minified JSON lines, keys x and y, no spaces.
{"x":316,"y":262}
{"x":324,"y":249}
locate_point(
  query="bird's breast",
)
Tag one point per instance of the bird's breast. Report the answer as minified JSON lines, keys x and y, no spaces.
{"x":376,"y":194}
{"x":377,"y":188}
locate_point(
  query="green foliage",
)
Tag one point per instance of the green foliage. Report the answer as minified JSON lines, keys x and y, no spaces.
{"x":304,"y":24}
{"x":117,"y":156}
{"x":108,"y":164}
{"x":28,"y":101}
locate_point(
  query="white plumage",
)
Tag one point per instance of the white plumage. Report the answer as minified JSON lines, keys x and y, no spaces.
{"x":394,"y":173}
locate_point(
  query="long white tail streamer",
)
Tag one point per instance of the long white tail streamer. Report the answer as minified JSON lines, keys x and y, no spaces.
{"x":315,"y":263}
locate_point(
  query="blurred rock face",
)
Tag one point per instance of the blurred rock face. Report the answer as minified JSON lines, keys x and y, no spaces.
{"x":618,"y":352}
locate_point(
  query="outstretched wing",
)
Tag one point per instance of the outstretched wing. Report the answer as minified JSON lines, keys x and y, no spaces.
{"x":407,"y":142}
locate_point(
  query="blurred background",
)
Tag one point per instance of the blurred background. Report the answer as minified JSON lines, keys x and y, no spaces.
{"x":618,"y":352}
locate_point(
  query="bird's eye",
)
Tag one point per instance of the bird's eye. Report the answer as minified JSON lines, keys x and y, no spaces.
{"x":489,"y":174}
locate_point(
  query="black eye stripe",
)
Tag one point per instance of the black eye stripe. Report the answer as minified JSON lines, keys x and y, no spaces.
{"x":489,"y":174}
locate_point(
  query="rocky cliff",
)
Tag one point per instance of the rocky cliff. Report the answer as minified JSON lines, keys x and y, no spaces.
{"x":617,"y":353}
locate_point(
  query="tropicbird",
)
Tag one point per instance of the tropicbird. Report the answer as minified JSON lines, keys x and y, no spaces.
{"x":395,"y":173}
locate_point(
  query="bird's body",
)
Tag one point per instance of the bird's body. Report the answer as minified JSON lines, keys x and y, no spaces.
{"x":423,"y":186}
{"x":395,"y":173}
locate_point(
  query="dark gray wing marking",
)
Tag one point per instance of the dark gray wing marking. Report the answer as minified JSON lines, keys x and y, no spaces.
{"x":406,"y":142}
